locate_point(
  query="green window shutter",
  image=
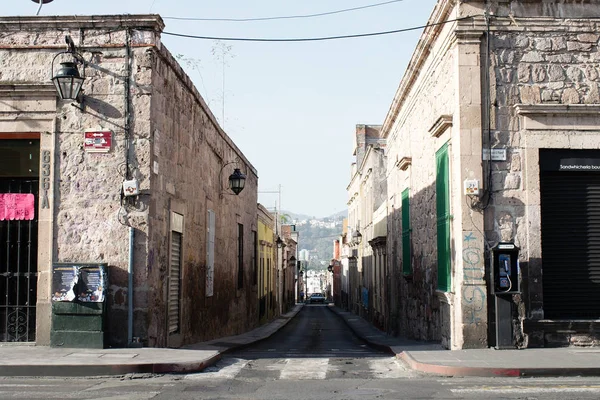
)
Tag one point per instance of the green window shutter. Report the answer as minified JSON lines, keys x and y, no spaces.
{"x":442,"y":196}
{"x":406,"y":260}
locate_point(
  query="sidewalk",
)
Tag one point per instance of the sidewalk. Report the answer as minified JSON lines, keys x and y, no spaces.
{"x":433,"y":359}
{"x":31,"y":360}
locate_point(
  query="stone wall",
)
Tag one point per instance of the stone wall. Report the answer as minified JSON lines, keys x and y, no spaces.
{"x":164,"y":136}
{"x":554,"y":62}
{"x":419,"y":312}
{"x":88,"y":216}
{"x":191,"y":160}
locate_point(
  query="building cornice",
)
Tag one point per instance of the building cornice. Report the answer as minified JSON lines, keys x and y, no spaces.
{"x":29,"y":90}
{"x":126,"y":21}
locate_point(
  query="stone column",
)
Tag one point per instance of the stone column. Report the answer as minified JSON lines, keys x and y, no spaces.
{"x":469,"y":312}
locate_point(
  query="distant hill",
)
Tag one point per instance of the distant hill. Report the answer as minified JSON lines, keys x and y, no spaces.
{"x":317,"y":235}
{"x":299,"y":217}
{"x":341,"y":215}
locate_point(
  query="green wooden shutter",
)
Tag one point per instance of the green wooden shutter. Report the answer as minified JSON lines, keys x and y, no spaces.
{"x":406,"y":261}
{"x":442,"y":196}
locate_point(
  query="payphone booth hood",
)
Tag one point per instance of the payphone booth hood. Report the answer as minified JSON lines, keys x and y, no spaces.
{"x":505,"y":269}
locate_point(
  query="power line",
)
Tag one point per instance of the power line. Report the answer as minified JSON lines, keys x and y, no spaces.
{"x":283,"y":17}
{"x":316,"y":38}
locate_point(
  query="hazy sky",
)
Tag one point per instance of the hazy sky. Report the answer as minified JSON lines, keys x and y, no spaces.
{"x":291,"y":107}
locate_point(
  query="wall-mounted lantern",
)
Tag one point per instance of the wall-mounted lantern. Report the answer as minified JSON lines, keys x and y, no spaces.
{"x":330,"y":268}
{"x":356,"y":237}
{"x":236,"y":181}
{"x":67,"y":80}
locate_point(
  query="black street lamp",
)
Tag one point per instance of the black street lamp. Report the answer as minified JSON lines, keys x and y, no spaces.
{"x":356,"y":237}
{"x":68,"y":80}
{"x":237,"y":180}
{"x":330,"y":268}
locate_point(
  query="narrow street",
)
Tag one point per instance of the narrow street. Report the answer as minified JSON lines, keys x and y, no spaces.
{"x":313,"y":357}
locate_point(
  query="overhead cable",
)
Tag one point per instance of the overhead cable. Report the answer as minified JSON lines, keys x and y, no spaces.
{"x":283,"y":17}
{"x":315,"y":39}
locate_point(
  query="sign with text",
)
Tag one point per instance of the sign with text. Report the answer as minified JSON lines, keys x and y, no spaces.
{"x":570,"y":160}
{"x":16,"y":206}
{"x":97,"y":141}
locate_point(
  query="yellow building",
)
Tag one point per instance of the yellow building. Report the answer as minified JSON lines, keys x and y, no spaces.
{"x":267,"y":271}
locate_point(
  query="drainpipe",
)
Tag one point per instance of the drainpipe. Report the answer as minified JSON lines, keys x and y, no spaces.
{"x":130,"y":289}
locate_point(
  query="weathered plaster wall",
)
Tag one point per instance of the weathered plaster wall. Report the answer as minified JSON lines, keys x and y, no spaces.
{"x":189,"y":176}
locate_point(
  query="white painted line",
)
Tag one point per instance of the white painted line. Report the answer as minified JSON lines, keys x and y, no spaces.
{"x":529,"y":389}
{"x":305,"y":368}
{"x":227,"y":372}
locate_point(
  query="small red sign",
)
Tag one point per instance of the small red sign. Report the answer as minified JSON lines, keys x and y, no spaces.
{"x":97,"y":141}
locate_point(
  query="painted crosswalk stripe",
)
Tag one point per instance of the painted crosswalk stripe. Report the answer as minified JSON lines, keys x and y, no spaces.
{"x":227,"y":372}
{"x":305,"y":368}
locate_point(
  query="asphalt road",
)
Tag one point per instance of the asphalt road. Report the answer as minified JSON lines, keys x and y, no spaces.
{"x":313,"y":357}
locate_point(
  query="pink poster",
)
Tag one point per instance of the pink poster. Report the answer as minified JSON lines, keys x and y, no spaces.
{"x":16,"y":206}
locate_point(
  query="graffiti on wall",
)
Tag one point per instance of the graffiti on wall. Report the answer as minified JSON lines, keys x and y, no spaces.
{"x":474,"y":297}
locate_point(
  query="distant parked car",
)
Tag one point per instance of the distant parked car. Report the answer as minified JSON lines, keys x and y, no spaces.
{"x":316,"y":298}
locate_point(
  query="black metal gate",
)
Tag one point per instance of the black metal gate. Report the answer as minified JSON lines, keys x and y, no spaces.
{"x":18,"y":268}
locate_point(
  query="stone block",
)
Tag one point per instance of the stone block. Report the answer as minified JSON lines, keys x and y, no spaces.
{"x":524,"y":72}
{"x":570,"y":96}
{"x":574,"y":73}
{"x":532,"y":57}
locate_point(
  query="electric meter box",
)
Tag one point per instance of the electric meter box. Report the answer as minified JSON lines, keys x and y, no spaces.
{"x":505,"y":269}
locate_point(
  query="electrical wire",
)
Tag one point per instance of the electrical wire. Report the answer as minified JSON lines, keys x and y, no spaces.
{"x":283,"y":17}
{"x":315,"y":38}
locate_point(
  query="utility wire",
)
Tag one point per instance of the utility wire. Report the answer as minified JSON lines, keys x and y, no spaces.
{"x":313,"y":39}
{"x":284,"y":17}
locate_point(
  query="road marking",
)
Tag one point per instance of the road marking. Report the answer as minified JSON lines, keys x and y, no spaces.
{"x":529,"y":389}
{"x":305,"y":368}
{"x":388,"y":368}
{"x":227,"y":372}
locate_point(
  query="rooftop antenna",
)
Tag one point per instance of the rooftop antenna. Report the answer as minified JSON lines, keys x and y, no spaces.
{"x":41,"y":2}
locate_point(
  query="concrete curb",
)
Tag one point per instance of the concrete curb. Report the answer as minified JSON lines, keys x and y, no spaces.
{"x":458,"y":371}
{"x":72,"y":370}
{"x":145,"y":366}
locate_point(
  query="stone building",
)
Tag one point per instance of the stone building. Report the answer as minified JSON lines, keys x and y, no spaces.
{"x":266,"y":266}
{"x":492,"y":137}
{"x":184,"y":244}
{"x":288,"y":268}
{"x":367,"y":190}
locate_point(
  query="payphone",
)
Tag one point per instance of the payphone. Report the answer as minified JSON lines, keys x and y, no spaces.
{"x":505,"y":269}
{"x":505,"y":282}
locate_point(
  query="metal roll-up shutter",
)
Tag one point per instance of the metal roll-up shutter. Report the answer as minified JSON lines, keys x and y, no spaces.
{"x":174,"y":282}
{"x":570,"y":208}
